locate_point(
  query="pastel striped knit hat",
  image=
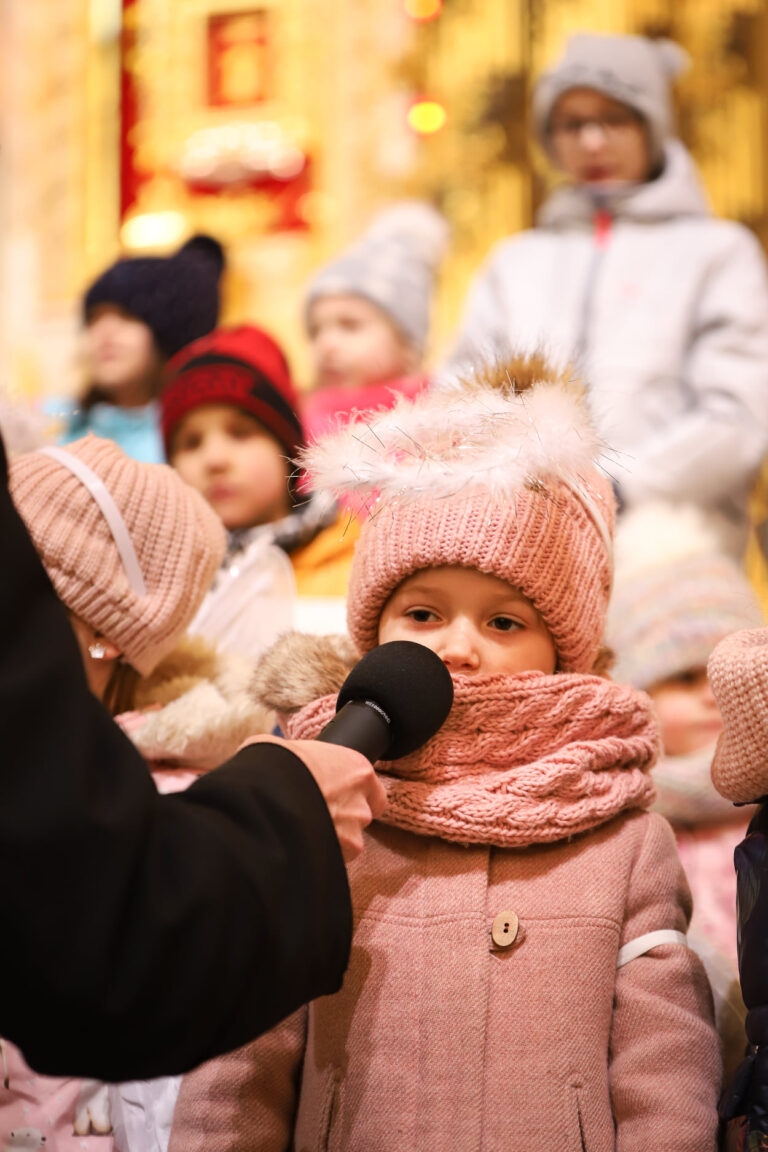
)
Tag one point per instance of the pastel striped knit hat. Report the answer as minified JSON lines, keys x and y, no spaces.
{"x":675,"y":594}
{"x":129,"y":547}
{"x":738,"y":673}
{"x":495,"y":473}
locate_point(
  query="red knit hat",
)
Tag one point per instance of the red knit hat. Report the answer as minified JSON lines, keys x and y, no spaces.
{"x":240,"y":366}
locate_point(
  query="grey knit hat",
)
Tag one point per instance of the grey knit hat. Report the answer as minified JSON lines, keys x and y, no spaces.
{"x":634,"y":70}
{"x":393,"y":266}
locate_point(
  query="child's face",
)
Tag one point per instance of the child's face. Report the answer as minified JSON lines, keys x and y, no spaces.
{"x":237,"y":465}
{"x":597,"y":140}
{"x":119,"y":352}
{"x":477,"y":624}
{"x":354,"y":344}
{"x":687,"y":712}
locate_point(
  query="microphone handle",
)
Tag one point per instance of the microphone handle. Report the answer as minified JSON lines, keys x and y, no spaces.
{"x":361,"y":726}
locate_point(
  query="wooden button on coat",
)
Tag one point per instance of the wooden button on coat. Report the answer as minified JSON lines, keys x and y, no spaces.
{"x":504,"y":929}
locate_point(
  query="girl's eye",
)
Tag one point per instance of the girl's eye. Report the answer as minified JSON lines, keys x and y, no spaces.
{"x":690,"y":678}
{"x":421,"y":615}
{"x":505,"y":624}
{"x":187,"y":443}
{"x":243,"y":429}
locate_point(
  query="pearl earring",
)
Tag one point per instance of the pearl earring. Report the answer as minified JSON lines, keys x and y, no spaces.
{"x":97,"y":650}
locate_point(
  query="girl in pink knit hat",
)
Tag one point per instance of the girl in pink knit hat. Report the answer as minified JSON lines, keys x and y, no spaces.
{"x":131,"y":551}
{"x":520,"y":976}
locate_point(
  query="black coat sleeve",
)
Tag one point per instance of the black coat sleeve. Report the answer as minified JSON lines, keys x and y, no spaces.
{"x":748,"y":1095}
{"x":143,"y":934}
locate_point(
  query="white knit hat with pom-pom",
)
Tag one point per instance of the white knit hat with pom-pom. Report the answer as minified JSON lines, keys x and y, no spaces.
{"x":393,"y":265}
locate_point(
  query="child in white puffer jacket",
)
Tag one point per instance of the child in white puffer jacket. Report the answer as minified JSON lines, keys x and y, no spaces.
{"x":627,"y":275}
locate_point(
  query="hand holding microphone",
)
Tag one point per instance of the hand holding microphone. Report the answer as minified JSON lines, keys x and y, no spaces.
{"x":391,"y":703}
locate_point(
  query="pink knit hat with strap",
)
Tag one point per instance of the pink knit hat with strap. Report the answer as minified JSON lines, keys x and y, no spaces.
{"x":129,"y":547}
{"x":498,"y":474}
{"x":738,"y":673}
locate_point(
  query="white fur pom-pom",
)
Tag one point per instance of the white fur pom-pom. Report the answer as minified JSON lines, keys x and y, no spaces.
{"x":490,"y":434}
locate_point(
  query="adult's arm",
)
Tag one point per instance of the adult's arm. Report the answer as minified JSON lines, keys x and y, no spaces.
{"x":143,"y":934}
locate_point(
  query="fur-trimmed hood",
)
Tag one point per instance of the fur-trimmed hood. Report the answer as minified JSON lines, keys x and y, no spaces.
{"x":300,"y":668}
{"x":196,"y":708}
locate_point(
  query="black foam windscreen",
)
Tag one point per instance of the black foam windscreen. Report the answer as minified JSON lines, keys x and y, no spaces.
{"x":410,"y":684}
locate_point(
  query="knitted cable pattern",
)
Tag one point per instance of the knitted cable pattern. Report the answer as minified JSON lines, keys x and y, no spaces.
{"x":524,"y":759}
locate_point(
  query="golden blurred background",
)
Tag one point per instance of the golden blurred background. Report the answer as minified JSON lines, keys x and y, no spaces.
{"x":281,"y":126}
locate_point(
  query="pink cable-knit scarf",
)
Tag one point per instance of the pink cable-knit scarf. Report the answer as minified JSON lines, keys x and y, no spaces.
{"x":525,"y":759}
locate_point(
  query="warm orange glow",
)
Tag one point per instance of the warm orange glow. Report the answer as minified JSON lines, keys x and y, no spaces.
{"x":423,"y":9}
{"x":153,"y":230}
{"x":426,"y":117}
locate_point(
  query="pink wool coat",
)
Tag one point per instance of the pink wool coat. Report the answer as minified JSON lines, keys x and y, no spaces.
{"x":442,"y":1039}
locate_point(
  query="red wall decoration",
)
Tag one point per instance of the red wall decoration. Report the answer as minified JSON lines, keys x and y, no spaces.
{"x":238,"y":59}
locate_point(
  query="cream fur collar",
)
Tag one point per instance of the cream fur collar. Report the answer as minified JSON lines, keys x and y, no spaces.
{"x":196,"y":708}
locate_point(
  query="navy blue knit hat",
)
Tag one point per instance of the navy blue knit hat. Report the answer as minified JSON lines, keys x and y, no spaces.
{"x":176,"y":296}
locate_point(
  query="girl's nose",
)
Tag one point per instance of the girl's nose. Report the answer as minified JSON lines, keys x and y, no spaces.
{"x":215,"y":455}
{"x":592,"y":136}
{"x":458,"y":648}
{"x":323,"y":341}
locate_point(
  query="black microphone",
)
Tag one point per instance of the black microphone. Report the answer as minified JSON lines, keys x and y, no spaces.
{"x":392,"y":702}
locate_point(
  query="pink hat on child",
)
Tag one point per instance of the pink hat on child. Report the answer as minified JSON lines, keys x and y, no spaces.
{"x":738,"y":673}
{"x":129,"y":547}
{"x":497,"y":473}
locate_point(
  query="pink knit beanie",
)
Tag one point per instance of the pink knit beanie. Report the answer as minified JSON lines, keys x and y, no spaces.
{"x":135,"y":561}
{"x":496,"y":473}
{"x":738,"y":673}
